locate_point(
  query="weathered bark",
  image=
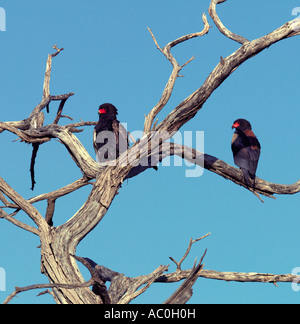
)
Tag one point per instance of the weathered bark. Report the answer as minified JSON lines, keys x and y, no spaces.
{"x":65,"y":238}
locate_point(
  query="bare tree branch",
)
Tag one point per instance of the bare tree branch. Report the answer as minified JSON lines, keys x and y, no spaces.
{"x":53,"y":194}
{"x":99,"y":287}
{"x":178,"y":264}
{"x":46,"y":87}
{"x":225,"y":170}
{"x":231,"y":276}
{"x":189,"y":107}
{"x":185,"y":291}
{"x":175,"y":73}
{"x":22,"y":203}
{"x":9,"y":126}
{"x":134,"y":291}
{"x":221,"y":27}
{"x":119,"y":288}
{"x":35,"y":148}
{"x":217,"y":166}
{"x":18,"y":223}
{"x":43,"y":286}
{"x":59,"y":111}
{"x":50,"y":211}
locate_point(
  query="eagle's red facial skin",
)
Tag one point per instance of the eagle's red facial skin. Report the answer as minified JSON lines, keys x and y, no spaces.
{"x":102,"y":111}
{"x":235,"y":125}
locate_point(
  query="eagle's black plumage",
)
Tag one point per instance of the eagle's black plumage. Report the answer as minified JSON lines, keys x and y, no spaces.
{"x":110,"y":137}
{"x":246,"y":150}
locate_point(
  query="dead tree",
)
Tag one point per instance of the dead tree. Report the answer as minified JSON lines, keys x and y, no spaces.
{"x":58,"y":244}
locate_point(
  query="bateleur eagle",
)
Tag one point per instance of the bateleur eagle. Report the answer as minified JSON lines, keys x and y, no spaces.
{"x":110,"y":138}
{"x":246,"y":150}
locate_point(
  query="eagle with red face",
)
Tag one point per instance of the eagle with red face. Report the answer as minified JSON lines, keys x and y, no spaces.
{"x":246,"y":150}
{"x":110,"y":138}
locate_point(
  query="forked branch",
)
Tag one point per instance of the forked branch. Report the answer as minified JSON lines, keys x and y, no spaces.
{"x":178,"y":264}
{"x":185,"y":291}
{"x":175,"y":72}
{"x":189,"y":107}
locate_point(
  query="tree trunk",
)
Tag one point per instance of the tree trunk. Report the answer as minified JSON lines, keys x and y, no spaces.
{"x":59,"y":244}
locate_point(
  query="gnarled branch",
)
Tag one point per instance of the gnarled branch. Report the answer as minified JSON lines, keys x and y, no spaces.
{"x":178,"y":264}
{"x":189,"y":107}
{"x":229,"y":172}
{"x":175,"y":72}
{"x":43,"y":286}
{"x":185,"y":291}
{"x":221,"y":27}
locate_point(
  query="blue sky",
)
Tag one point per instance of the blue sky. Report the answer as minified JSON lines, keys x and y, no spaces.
{"x":109,"y":56}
